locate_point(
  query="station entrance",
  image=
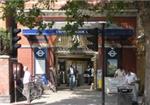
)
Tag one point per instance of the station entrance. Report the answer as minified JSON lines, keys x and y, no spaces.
{"x":79,"y":62}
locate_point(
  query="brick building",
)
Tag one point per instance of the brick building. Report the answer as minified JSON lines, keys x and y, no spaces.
{"x":51,"y":47}
{"x":54,"y":44}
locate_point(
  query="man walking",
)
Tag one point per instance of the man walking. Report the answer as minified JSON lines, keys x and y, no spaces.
{"x":72,"y":77}
{"x":26,"y":86}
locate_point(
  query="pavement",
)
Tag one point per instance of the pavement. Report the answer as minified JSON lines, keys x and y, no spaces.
{"x":78,"y":96}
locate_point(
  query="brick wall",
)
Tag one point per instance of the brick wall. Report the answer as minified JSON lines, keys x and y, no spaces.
{"x":5,"y":79}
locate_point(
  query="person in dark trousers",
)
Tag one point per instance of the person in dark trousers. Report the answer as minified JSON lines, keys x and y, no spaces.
{"x":87,"y":75}
{"x":52,"y":79}
{"x":72,"y":77}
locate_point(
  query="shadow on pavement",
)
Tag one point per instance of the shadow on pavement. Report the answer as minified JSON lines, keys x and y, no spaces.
{"x":80,"y":97}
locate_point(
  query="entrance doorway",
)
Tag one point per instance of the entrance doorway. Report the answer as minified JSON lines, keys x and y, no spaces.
{"x":80,"y":64}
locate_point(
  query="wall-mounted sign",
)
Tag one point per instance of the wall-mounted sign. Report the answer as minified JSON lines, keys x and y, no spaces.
{"x":112,"y":53}
{"x":40,"y":52}
{"x":40,"y":60}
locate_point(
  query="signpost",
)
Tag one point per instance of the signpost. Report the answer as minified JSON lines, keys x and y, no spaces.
{"x":103,"y":64}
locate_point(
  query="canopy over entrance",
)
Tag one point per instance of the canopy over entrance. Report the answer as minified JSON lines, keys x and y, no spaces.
{"x":111,"y":30}
{"x":108,"y":32}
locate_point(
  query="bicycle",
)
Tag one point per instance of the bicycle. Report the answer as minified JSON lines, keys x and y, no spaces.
{"x":47,"y":83}
{"x":36,"y":89}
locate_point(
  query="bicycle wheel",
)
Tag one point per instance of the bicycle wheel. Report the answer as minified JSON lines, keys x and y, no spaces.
{"x":33,"y":93}
{"x":39,"y":89}
{"x":53,"y":88}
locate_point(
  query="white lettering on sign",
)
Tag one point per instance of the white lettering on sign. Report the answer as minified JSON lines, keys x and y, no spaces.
{"x":112,"y":53}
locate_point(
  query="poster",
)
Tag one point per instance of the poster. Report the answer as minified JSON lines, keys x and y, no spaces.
{"x":40,"y":66}
{"x":112,"y":65}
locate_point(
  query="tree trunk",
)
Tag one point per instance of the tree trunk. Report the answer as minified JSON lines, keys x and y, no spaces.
{"x":146,"y":26}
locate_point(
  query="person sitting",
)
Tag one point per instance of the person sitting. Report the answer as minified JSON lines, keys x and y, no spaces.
{"x":119,"y":73}
{"x":131,"y":79}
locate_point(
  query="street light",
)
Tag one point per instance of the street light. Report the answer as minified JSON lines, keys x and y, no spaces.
{"x":95,"y":32}
{"x":103,"y":63}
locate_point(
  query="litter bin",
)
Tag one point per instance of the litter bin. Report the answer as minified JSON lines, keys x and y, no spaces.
{"x":124,"y":95}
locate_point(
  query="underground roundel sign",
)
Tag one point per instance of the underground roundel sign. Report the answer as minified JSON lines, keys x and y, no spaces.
{"x":39,"y":52}
{"x":112,"y":53}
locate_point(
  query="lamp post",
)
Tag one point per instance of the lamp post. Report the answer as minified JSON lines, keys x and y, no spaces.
{"x":103,"y":63}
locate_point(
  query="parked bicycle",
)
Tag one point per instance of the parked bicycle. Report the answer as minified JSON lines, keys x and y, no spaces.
{"x":36,"y":89}
{"x":47,"y":83}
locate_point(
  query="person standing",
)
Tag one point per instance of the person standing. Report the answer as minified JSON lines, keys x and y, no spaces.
{"x":92,"y":78}
{"x":72,"y":77}
{"x":26,"y":84}
{"x":52,"y":79}
{"x":87,"y":75}
{"x":91,"y":75}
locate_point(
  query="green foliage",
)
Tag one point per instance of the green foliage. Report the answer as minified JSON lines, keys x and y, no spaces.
{"x":74,"y":47}
{"x":4,"y":42}
{"x":75,"y":12}
{"x":78,"y":11}
{"x":113,"y":8}
{"x":15,"y":9}
{"x":75,"y":17}
{"x":10,"y":7}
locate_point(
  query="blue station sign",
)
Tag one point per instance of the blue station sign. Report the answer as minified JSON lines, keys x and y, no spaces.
{"x":108,"y":32}
{"x":40,"y":53}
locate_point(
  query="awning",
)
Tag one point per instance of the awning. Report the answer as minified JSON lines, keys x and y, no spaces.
{"x":108,"y":32}
{"x":28,"y":32}
{"x":119,"y":32}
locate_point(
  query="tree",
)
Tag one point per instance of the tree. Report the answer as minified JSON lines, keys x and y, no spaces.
{"x":15,"y":9}
{"x":144,"y":24}
{"x":4,"y":42}
{"x":77,"y":11}
{"x":14,"y":12}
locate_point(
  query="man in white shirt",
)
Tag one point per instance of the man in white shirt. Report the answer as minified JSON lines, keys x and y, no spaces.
{"x":72,"y":77}
{"x":26,"y":81}
{"x":131,"y":79}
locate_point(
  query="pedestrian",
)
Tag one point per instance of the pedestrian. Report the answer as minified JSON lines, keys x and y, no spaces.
{"x":52,"y":79}
{"x":131,"y":80}
{"x":119,"y":73}
{"x":90,"y":71}
{"x":72,"y":77}
{"x":91,"y":78}
{"x":76,"y":76}
{"x":87,"y":74}
{"x":26,"y":84}
{"x":91,"y":75}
